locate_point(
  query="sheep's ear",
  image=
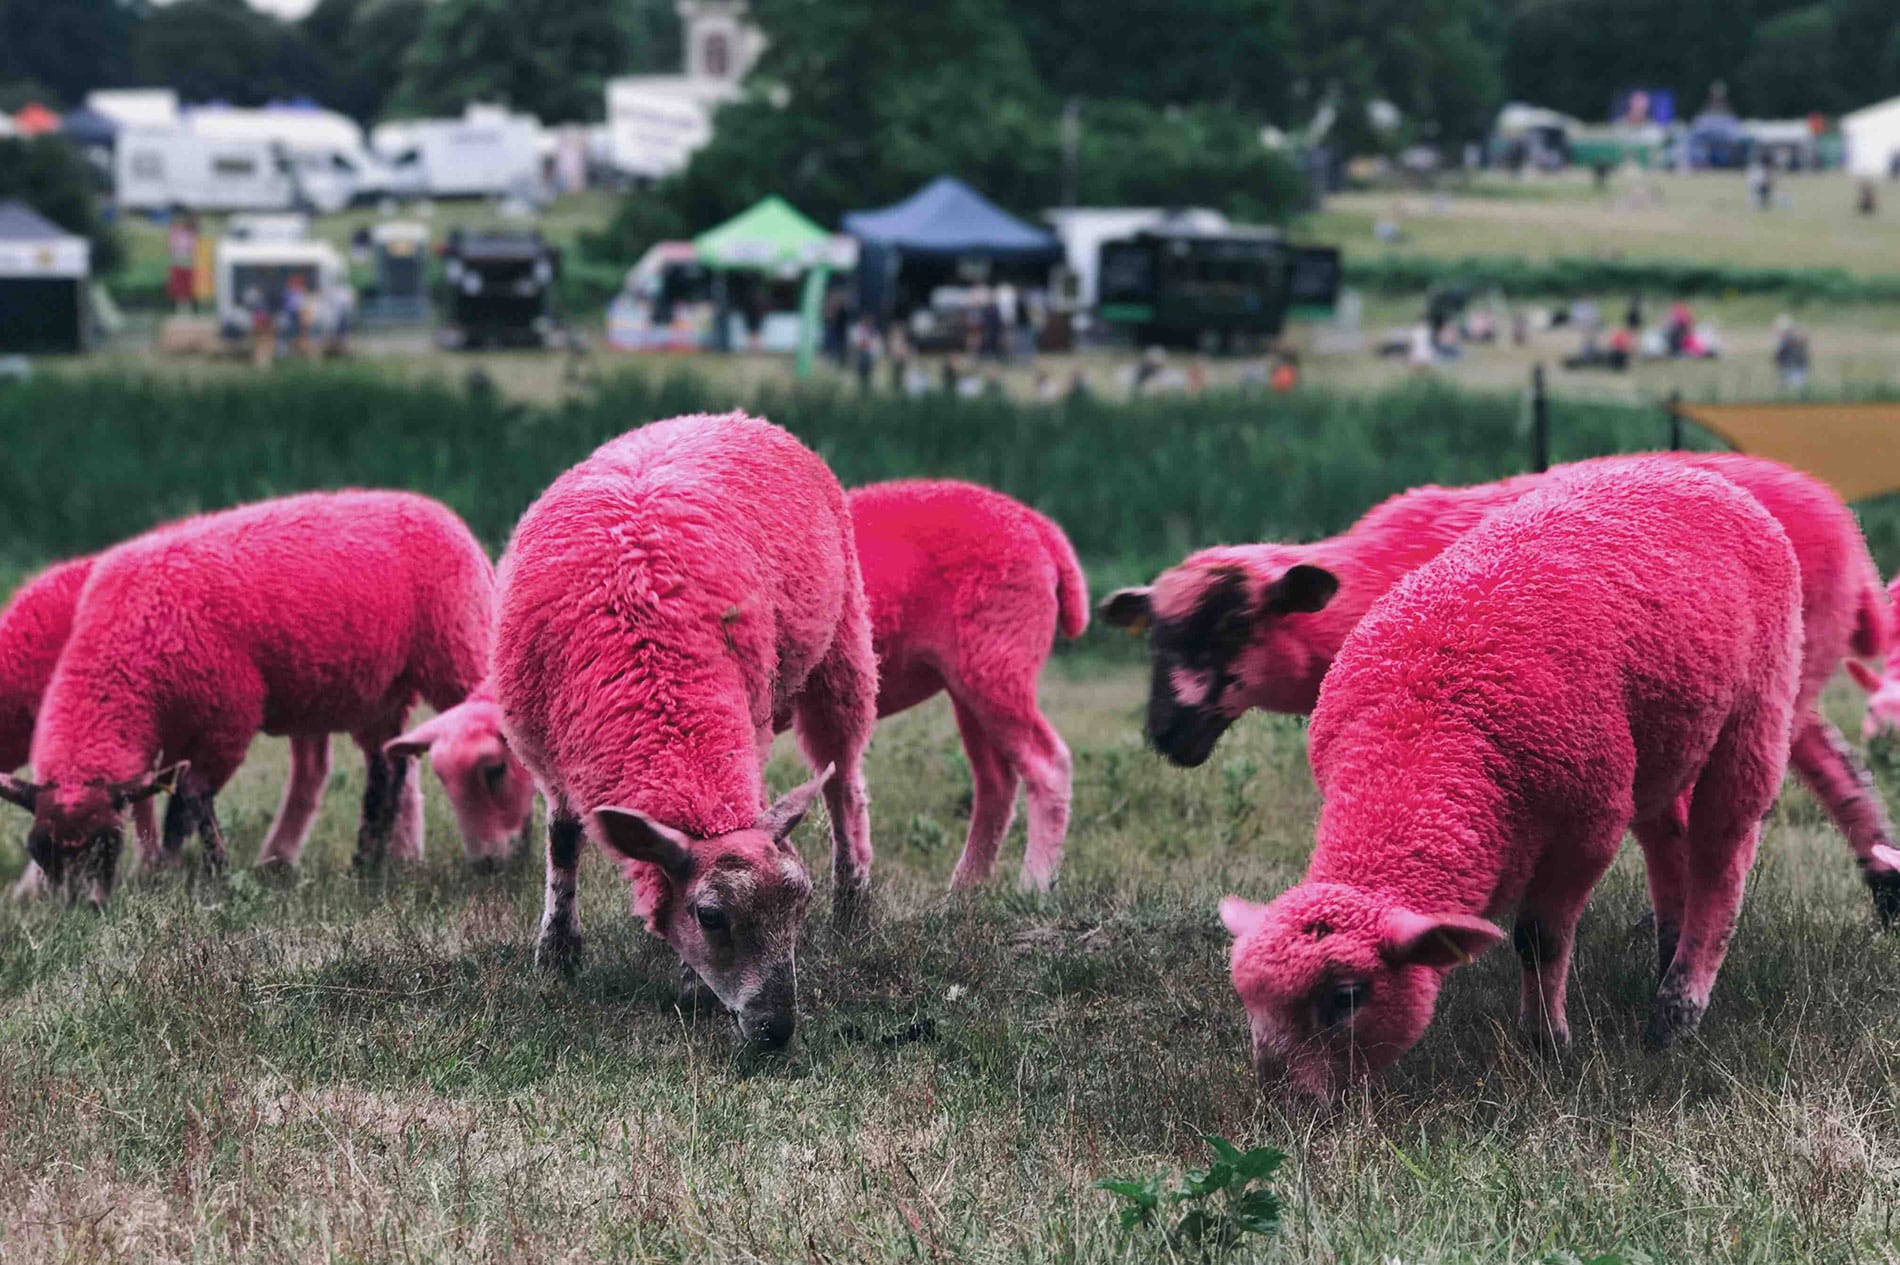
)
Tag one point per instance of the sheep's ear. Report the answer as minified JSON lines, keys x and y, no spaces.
{"x":784,"y":815}
{"x":1128,"y":609}
{"x":165,"y":781}
{"x":1864,"y":676}
{"x":18,"y":791}
{"x":1889,"y":857}
{"x":418,"y":740}
{"x":638,"y":837}
{"x":1437,"y":940}
{"x":1301,"y":591}
{"x":1241,"y":917}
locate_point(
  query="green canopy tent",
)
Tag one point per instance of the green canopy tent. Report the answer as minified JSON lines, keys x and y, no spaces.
{"x":774,"y":238}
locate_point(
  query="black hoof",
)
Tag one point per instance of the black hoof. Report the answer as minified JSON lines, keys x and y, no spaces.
{"x":559,"y":951}
{"x":1885,"y":886}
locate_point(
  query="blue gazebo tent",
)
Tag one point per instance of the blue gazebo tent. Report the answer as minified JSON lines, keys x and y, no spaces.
{"x":946,"y":222}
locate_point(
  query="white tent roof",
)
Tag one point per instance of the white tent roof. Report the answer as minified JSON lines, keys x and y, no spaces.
{"x":7,"y":126}
{"x":1873,"y":138}
{"x":33,"y":246}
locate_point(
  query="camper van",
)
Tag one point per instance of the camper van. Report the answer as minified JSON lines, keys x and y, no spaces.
{"x":217,"y":158}
{"x":487,"y":153}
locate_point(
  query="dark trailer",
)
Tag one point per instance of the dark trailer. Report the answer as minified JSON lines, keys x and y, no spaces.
{"x":45,"y":278}
{"x":1227,"y":291}
{"x":499,"y":288}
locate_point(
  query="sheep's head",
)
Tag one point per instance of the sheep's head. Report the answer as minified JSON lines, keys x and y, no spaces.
{"x":79,"y":827}
{"x":1883,"y":701}
{"x":490,"y":791}
{"x":1337,"y":983}
{"x":1219,"y":643}
{"x":733,"y":906}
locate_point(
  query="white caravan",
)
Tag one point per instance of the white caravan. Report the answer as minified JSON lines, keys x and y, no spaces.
{"x":487,"y":153}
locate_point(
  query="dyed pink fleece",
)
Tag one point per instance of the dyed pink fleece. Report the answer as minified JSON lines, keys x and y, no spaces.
{"x":661,"y":602}
{"x":313,"y":614}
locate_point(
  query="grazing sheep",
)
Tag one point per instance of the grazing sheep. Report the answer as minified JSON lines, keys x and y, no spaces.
{"x":33,"y":630}
{"x":306,"y":616}
{"x":1248,"y":626}
{"x":661,"y":603}
{"x":966,"y":590}
{"x":1620,"y":637}
{"x":492,"y":795}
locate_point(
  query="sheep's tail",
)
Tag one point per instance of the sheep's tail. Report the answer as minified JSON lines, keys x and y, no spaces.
{"x":1873,"y":629}
{"x":1072,"y":587}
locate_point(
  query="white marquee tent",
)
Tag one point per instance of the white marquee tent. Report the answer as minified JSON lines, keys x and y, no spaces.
{"x":1873,"y":140}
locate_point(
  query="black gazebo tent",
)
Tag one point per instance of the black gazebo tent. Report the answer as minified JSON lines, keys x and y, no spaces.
{"x":44,"y":276}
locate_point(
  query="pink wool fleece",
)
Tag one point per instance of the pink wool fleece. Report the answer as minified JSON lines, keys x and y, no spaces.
{"x":309,"y":615}
{"x":1224,"y":639}
{"x":33,"y":631}
{"x":1565,"y":672}
{"x":968,"y":589}
{"x":661,"y":603}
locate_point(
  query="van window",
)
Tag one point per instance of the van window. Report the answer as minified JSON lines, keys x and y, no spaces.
{"x":148,"y":164}
{"x":234,"y":167}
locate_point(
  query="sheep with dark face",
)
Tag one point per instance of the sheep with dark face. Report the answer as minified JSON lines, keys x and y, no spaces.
{"x":1257,"y":626}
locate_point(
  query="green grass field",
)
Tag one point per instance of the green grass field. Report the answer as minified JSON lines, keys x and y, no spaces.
{"x":358,"y":1070}
{"x":372,"y":1070}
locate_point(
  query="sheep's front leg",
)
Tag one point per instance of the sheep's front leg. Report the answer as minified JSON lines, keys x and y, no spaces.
{"x":560,"y":943}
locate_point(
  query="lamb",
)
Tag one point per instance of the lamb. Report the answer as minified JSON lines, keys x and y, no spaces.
{"x":1569,"y":670}
{"x":1883,"y":692}
{"x":1248,"y":626}
{"x":966,"y":590}
{"x":313,"y":614}
{"x":33,"y":630}
{"x":661,"y":603}
{"x":491,"y":793}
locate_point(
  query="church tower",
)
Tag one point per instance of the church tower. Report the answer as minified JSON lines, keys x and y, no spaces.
{"x":720,"y":44}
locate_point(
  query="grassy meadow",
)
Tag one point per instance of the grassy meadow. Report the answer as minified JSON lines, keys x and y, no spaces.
{"x":352,"y":1070}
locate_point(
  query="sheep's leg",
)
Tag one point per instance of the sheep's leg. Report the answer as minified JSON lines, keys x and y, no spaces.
{"x":303,"y":795}
{"x":993,"y":802}
{"x":1735,"y":791}
{"x":834,"y":716}
{"x":1037,"y":754}
{"x":145,"y":830}
{"x":1828,"y":767}
{"x":1546,"y":929}
{"x":193,"y":810}
{"x":560,"y":943}
{"x":406,"y":837}
{"x":31,"y":885}
{"x":383,"y":791}
{"x":1665,"y":844}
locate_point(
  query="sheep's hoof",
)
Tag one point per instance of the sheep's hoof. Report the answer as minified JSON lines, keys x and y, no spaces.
{"x":275,"y":871}
{"x":1672,"y":1016}
{"x":559,"y":950}
{"x":1885,"y":886}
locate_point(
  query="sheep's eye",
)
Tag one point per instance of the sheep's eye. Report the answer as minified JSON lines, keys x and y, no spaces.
{"x":1340,"y":1002}
{"x":711,"y":918}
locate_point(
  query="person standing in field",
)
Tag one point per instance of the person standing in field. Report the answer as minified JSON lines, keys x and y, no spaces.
{"x":1791,"y":354}
{"x":181,"y":250}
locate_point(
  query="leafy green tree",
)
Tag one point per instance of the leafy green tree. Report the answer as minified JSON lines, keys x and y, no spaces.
{"x":360,"y":46}
{"x":68,"y":46}
{"x":549,"y":58}
{"x":1576,"y":55}
{"x":1789,"y":69}
{"x":1163,"y":52}
{"x":50,"y":176}
{"x":223,"y":50}
{"x":1436,"y":60}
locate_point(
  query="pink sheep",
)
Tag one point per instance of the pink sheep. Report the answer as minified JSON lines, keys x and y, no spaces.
{"x":492,"y":795}
{"x":1619,"y":638}
{"x":661,"y":603}
{"x":966,"y":590}
{"x":1248,"y":626}
{"x":33,"y":631}
{"x":304,"y":616}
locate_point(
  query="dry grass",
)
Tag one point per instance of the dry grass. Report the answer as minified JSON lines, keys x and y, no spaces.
{"x":354,"y":1070}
